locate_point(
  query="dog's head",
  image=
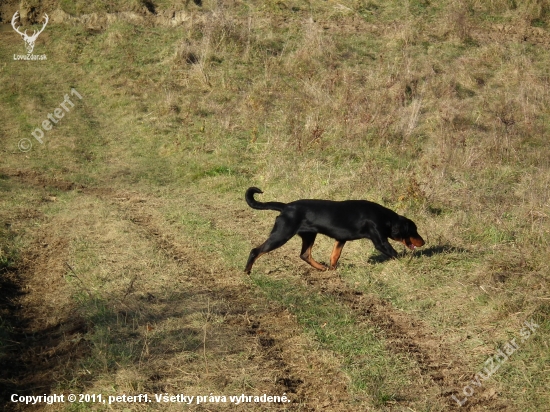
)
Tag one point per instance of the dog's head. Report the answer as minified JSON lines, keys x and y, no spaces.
{"x":404,"y":230}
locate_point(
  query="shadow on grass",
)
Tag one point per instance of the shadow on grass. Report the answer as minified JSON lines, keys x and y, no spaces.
{"x":427,"y":252}
{"x":441,"y":249}
{"x":33,"y":359}
{"x":147,"y":331}
{"x":101,"y":336}
{"x":9,"y":321}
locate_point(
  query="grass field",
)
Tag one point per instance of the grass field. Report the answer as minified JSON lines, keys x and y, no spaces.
{"x":124,"y":234}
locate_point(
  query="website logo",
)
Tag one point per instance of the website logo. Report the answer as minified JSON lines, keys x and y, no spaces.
{"x":29,"y":40}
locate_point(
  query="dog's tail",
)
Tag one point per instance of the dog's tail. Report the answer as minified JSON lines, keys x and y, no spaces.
{"x":254,"y":204}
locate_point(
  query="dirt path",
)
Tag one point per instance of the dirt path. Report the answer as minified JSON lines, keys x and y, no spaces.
{"x":299,"y":373}
{"x":281,"y":353}
{"x":278,"y":351}
{"x":439,"y":366}
{"x":437,"y":362}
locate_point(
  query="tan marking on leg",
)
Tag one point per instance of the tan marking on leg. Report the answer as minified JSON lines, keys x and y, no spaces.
{"x":336,"y":251}
{"x":306,"y":256}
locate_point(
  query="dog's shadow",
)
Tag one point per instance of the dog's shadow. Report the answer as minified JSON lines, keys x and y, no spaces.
{"x":428,"y":252}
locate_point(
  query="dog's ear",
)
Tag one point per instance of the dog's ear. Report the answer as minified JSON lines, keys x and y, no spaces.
{"x":400,"y":228}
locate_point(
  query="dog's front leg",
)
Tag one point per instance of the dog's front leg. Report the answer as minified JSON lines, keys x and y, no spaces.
{"x":336,"y":251}
{"x":382,"y":245}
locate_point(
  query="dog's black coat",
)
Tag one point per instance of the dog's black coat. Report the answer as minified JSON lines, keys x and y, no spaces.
{"x":342,"y":221}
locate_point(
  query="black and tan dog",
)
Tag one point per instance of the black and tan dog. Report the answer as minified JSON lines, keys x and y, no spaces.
{"x":342,"y":221}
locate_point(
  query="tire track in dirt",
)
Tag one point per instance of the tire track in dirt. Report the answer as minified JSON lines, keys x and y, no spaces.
{"x":436,"y":361}
{"x":46,"y":338}
{"x":310,"y":381}
{"x":512,"y":33}
{"x":273,"y":326}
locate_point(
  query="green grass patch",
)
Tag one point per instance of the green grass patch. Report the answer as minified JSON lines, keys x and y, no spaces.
{"x":372,"y":369}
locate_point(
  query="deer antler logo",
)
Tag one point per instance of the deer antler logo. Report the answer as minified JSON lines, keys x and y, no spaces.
{"x":29,"y":40}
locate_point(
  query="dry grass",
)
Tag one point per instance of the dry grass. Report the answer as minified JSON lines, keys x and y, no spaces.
{"x":437,"y":109}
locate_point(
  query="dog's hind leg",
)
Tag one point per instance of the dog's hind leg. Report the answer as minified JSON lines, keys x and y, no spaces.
{"x":280,"y":234}
{"x":308,"y":238}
